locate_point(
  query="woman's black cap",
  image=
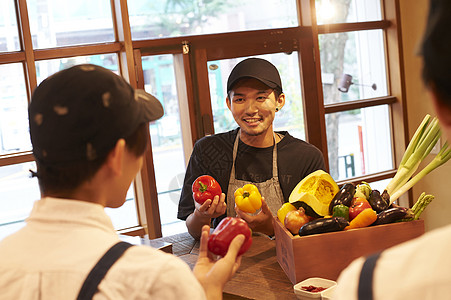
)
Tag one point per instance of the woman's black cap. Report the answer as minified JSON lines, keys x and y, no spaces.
{"x":81,"y":112}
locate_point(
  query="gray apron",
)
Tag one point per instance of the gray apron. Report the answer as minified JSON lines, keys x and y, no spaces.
{"x":269,"y":189}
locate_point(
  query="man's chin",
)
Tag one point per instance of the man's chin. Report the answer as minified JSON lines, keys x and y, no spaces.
{"x":251,"y":131}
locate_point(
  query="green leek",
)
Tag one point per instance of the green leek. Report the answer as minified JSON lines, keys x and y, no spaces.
{"x":421,"y":144}
{"x":442,"y":157}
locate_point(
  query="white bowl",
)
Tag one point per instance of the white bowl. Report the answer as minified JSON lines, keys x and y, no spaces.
{"x":315,"y":281}
{"x":328,"y":293}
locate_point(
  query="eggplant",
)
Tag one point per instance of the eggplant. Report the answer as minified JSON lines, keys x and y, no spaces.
{"x":377,"y":202}
{"x":344,"y":196}
{"x":323,"y":225}
{"x":392,"y":215}
{"x":386,"y":196}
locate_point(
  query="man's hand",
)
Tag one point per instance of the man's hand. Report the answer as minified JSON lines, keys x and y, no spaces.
{"x":212,"y":208}
{"x":261,"y":222}
{"x":214,"y":274}
{"x":203,"y":213}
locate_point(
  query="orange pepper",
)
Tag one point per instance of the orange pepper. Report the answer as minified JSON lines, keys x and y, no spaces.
{"x":365,"y":218}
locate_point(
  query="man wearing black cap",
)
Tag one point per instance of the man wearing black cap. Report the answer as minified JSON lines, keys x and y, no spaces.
{"x":88,"y":131}
{"x":420,"y":268}
{"x":253,"y":153}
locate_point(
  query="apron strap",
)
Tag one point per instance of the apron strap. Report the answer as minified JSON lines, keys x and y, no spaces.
{"x":365,"y":289}
{"x":89,"y":287}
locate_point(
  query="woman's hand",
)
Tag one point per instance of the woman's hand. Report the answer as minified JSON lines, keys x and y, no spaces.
{"x":261,"y":222}
{"x":214,"y":274}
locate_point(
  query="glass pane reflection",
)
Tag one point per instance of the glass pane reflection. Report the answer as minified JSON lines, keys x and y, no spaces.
{"x":359,"y":142}
{"x":167,"y":144}
{"x":347,"y":11}
{"x":45,"y":68}
{"x":9,"y":35}
{"x":166,"y":18}
{"x":359,"y":54}
{"x":19,"y":192}
{"x":55,"y":23}
{"x":14,"y":133}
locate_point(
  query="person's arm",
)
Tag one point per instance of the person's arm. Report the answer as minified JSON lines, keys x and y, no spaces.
{"x":203,"y":214}
{"x":261,"y":222}
{"x":211,"y":274}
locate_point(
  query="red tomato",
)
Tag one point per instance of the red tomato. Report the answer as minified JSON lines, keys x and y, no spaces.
{"x":357,"y":206}
{"x":205,"y":187}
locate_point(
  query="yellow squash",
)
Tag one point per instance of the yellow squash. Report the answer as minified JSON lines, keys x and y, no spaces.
{"x":284,"y":210}
{"x":316,"y":190}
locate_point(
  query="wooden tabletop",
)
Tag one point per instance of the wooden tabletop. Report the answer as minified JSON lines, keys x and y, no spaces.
{"x":259,"y":276}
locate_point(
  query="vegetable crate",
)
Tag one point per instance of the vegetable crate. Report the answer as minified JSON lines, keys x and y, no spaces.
{"x":327,"y":254}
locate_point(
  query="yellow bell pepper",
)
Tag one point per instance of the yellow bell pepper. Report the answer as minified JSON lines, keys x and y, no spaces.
{"x":248,"y":198}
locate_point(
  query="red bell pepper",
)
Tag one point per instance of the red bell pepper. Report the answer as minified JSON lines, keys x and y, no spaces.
{"x":205,"y":187}
{"x":225,"y":232}
{"x":357,"y":206}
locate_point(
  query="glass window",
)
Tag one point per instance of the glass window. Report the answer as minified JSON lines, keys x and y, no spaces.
{"x":380,"y":185}
{"x":126,"y":215}
{"x":14,"y":133}
{"x":167,"y":143}
{"x":353,"y":65}
{"x":347,"y":11}
{"x":9,"y":36}
{"x":45,"y":68}
{"x":289,"y":118}
{"x":169,"y":18}
{"x":55,"y":23}
{"x":359,"y":142}
{"x":19,"y":191}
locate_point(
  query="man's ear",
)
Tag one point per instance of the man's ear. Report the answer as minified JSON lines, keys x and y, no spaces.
{"x":116,"y":157}
{"x":280,"y":101}
{"x":442,"y":109}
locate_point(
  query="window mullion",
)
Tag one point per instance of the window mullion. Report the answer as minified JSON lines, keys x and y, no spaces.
{"x":27,"y":45}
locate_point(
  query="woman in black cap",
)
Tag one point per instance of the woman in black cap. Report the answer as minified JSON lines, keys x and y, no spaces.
{"x":253,"y":153}
{"x":88,"y":131}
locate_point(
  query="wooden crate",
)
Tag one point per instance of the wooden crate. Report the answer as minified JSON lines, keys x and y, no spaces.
{"x":326,"y":255}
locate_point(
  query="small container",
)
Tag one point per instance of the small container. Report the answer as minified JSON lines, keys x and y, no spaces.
{"x":328,"y":294}
{"x":314,"y":281}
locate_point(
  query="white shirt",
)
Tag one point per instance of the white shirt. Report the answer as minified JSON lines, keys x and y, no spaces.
{"x":63,"y":239}
{"x":417,"y":269}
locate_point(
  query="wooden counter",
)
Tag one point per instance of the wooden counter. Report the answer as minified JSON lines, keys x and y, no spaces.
{"x":259,"y":276}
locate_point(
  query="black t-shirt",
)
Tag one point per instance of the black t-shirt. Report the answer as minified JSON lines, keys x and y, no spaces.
{"x":212,"y":155}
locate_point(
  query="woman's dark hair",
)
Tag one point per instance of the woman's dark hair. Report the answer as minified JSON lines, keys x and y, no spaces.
{"x":65,"y":178}
{"x":436,"y":49}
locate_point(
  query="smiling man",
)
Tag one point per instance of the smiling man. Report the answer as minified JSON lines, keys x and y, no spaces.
{"x":253,"y":153}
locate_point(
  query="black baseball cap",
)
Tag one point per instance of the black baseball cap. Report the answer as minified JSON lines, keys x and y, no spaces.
{"x":80,"y":113}
{"x":257,"y":68}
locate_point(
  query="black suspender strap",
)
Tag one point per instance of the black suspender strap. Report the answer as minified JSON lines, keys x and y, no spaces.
{"x":365,"y":289}
{"x":89,"y":287}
